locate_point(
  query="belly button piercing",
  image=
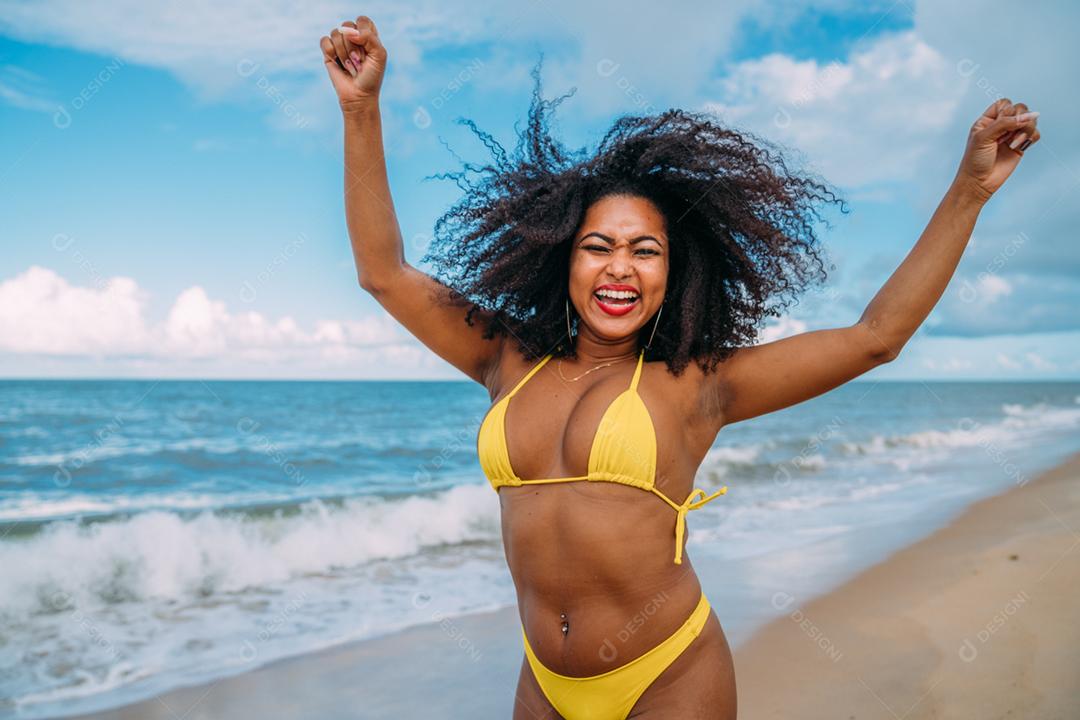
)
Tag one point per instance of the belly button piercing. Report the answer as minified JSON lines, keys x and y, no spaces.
{"x":565,"y":625}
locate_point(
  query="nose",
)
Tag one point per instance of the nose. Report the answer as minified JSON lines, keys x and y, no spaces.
{"x":620,"y":265}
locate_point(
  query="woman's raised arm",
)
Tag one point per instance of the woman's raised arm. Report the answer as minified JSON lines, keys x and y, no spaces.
{"x":767,"y":377}
{"x":356,"y":60}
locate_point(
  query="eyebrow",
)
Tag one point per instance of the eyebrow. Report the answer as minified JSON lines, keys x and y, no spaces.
{"x":612,"y":240}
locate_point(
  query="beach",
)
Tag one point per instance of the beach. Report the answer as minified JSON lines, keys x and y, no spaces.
{"x":975,"y":620}
{"x":258,"y":343}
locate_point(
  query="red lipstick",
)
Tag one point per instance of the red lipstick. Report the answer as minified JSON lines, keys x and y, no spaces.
{"x":616,"y":306}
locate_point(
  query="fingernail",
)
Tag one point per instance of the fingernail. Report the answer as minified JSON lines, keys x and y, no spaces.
{"x":352,"y":69}
{"x":355,"y":58}
{"x":1016,"y":141}
{"x":346,"y":29}
{"x":1025,"y":116}
{"x":1025,"y":145}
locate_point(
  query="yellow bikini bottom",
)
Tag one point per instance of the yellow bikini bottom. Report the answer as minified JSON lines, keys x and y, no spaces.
{"x":611,"y":695}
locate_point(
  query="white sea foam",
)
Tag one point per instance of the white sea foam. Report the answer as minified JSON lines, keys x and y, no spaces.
{"x":721,"y":462}
{"x":100,"y":447}
{"x":35,"y":506}
{"x":159,"y":554}
{"x":1017,"y":423}
{"x":733,"y":455}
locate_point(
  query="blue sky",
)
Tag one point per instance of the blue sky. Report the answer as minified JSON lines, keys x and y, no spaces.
{"x":171,"y":190}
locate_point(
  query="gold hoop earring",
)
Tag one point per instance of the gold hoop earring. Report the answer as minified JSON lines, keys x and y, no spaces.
{"x":569,"y":335}
{"x":657,"y":322}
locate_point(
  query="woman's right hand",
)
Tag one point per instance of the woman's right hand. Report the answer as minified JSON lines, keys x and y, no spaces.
{"x":356,"y":60}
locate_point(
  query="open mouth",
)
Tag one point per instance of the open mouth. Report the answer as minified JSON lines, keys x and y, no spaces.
{"x":617,"y":297}
{"x":616,"y":302}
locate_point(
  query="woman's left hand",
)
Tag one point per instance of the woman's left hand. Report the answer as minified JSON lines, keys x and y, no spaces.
{"x":995,"y":145}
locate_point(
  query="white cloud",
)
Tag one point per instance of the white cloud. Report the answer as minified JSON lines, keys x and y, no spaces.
{"x":41,"y":313}
{"x":1031,"y":356}
{"x":249,"y":51}
{"x":785,"y":326}
{"x":861,"y":121}
{"x":222,"y":50}
{"x":990,"y":287}
{"x":899,"y":109}
{"x":1028,"y":361}
{"x":948,"y":365}
{"x":990,"y":304}
{"x":1038,"y":362}
{"x":1007,"y":362}
{"x":23,"y":89}
{"x":1027,"y":231}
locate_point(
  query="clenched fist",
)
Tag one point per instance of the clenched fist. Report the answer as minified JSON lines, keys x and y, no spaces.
{"x":997,"y":141}
{"x":356,"y":60}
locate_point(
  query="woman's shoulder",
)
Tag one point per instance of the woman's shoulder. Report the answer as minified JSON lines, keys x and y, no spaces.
{"x":508,"y":366}
{"x":695,"y":392}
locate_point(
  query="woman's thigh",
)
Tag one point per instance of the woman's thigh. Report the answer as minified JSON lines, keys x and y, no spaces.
{"x":529,"y":701}
{"x":698,"y":685}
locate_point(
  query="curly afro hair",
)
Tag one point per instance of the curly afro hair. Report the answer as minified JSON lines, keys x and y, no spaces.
{"x":739,"y":225}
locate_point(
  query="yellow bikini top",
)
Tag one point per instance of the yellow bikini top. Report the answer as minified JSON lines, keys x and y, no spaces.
{"x":623,"y":450}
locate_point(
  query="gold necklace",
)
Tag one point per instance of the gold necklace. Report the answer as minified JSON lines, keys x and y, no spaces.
{"x":559,"y":367}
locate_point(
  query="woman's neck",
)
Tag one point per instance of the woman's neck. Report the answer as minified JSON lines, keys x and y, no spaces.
{"x":593,"y":350}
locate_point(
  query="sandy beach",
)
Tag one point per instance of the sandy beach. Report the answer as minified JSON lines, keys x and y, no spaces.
{"x":977,"y":620}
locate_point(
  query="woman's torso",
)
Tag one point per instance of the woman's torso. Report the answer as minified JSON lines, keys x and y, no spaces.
{"x":598,"y":553}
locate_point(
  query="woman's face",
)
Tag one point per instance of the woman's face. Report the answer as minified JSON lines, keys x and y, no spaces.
{"x":620,"y":249}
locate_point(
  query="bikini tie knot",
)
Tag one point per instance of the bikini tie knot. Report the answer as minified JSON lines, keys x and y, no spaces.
{"x":690,"y":503}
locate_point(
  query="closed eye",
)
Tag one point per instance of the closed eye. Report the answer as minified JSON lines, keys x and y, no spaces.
{"x":607,"y":249}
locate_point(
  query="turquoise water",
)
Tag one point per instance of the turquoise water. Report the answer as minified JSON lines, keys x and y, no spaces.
{"x":154,"y":534}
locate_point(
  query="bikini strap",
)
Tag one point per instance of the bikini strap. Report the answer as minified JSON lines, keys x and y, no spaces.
{"x":637,"y":372}
{"x":528,"y":375}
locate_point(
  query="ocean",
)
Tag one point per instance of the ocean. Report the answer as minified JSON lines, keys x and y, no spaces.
{"x":160,"y":533}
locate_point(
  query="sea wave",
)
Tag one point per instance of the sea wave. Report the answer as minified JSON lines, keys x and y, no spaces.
{"x":211,"y":452}
{"x":1018,"y":422}
{"x":165,"y":554}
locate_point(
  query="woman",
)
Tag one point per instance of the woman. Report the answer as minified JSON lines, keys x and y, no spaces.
{"x":669,"y":244}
